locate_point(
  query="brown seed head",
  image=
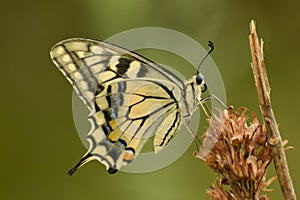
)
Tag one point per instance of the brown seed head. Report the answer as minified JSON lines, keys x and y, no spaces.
{"x":237,"y":150}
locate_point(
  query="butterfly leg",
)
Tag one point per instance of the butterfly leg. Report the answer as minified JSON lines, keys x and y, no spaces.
{"x":212,"y":96}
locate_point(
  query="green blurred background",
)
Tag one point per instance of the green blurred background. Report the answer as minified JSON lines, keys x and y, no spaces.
{"x":39,"y":142}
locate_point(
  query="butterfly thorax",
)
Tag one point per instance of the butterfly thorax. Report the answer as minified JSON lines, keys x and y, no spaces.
{"x":192,"y":94}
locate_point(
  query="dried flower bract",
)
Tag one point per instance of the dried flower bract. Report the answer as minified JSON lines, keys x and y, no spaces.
{"x":239,"y":153}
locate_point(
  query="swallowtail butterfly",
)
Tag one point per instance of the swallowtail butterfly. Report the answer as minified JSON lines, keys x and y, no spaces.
{"x":129,"y":97}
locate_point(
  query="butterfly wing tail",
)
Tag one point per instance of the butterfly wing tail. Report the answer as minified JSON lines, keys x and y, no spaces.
{"x":85,"y":159}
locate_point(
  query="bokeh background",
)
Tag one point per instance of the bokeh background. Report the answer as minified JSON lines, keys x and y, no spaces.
{"x":39,"y":142}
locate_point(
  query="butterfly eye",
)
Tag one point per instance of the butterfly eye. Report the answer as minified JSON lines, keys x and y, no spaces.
{"x":199,"y":79}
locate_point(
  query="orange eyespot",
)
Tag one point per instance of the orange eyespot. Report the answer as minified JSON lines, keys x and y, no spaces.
{"x":128,"y":156}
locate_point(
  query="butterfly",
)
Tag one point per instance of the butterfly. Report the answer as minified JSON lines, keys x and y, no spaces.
{"x":130,"y":99}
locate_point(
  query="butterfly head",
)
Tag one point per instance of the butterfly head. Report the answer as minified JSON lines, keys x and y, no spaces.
{"x":195,"y":87}
{"x":199,"y":81}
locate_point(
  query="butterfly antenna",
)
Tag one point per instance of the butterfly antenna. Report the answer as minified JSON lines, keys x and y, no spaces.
{"x":211,"y":45}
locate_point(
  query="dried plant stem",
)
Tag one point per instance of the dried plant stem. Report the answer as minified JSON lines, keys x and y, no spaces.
{"x":274,"y":138}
